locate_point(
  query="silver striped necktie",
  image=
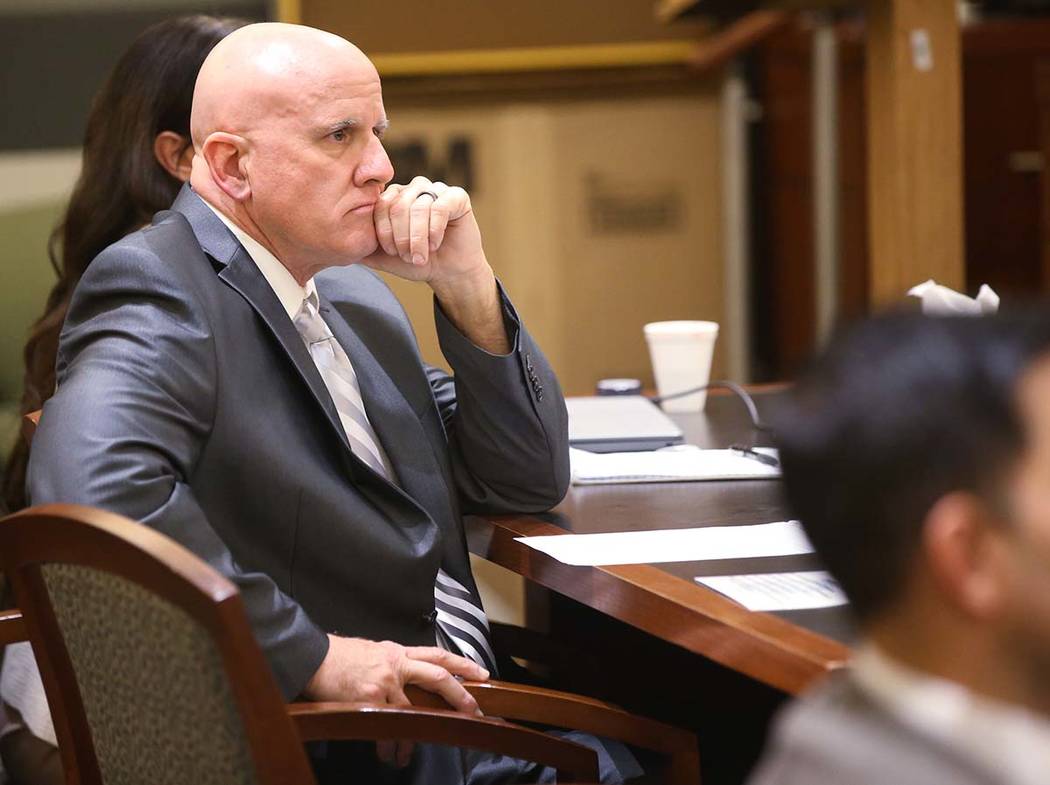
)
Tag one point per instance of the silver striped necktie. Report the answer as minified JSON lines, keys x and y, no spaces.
{"x":460,"y":618}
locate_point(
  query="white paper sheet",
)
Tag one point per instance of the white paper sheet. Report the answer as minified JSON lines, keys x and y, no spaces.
{"x":779,"y":591}
{"x":783,"y":538}
{"x":668,"y":465}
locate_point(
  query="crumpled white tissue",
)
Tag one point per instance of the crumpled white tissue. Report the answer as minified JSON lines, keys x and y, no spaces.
{"x":939,"y":300}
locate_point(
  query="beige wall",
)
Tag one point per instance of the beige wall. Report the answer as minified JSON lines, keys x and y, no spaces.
{"x":585,"y":291}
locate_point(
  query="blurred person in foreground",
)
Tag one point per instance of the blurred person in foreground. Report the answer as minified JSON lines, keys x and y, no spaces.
{"x":137,"y":154}
{"x":236,"y":377}
{"x":916,"y":453}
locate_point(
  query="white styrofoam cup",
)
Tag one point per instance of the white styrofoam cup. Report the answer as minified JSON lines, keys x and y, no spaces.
{"x":681,"y":355}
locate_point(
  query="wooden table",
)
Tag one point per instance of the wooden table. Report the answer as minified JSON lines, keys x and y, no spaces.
{"x":784,"y":651}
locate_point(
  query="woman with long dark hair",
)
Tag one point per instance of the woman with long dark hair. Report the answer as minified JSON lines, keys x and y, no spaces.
{"x":137,"y":154}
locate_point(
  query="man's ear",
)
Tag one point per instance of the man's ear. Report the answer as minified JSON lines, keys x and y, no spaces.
{"x":224,"y":155}
{"x":961,"y":549}
{"x":175,"y":153}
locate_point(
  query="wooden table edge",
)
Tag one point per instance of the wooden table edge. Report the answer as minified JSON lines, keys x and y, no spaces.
{"x":762,"y":646}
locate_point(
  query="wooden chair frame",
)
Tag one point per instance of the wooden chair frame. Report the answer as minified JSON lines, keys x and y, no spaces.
{"x":93,"y":538}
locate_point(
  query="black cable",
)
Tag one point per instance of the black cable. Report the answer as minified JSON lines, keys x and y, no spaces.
{"x":724,"y":384}
{"x":748,"y":451}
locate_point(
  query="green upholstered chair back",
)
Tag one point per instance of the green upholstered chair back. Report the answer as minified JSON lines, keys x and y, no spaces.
{"x":151,"y":681}
{"x":146,"y":655}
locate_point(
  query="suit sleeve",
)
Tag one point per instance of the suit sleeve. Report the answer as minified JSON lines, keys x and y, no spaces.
{"x":132,"y":412}
{"x":505,"y":419}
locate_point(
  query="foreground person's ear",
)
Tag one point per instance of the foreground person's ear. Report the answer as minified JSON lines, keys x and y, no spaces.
{"x":962,"y":551}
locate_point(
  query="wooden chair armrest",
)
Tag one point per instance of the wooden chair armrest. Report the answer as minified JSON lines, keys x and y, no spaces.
{"x":522,"y":703}
{"x":12,"y":627}
{"x":363,"y":721}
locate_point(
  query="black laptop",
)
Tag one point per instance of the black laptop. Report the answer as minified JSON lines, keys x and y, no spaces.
{"x":619,"y":423}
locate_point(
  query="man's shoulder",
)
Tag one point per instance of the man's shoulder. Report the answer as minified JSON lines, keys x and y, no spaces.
{"x":167,"y":247}
{"x":161,"y":268}
{"x":838,"y":735}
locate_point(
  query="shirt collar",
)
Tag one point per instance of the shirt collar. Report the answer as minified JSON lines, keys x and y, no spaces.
{"x":1000,"y":737}
{"x":287,"y":289}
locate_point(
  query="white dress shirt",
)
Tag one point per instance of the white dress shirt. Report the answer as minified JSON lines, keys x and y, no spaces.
{"x":1009,"y":740}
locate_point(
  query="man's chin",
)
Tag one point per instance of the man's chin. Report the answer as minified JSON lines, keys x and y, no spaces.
{"x":356,"y":254}
{"x":363,"y":249}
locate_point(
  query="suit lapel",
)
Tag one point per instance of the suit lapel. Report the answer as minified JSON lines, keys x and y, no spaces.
{"x":420,"y":473}
{"x":242,"y":274}
{"x":395,"y":422}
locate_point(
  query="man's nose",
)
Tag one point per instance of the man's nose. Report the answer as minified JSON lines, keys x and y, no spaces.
{"x":375,"y":166}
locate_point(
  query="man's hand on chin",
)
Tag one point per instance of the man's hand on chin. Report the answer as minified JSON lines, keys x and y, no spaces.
{"x":427,"y":232}
{"x":363,"y":671}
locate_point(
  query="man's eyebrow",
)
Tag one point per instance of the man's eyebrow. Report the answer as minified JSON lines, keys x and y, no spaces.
{"x":346,"y":125}
{"x":341,"y":125}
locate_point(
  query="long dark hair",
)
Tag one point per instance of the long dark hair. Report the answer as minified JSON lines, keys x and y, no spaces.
{"x":121,"y":184}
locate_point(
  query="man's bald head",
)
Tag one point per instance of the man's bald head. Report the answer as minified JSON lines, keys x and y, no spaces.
{"x":287,"y":124}
{"x":264,"y":71}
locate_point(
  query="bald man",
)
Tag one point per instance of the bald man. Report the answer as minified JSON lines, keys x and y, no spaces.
{"x":235,"y":377}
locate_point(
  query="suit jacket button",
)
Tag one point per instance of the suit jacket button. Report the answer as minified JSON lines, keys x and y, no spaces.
{"x":539,"y":396}
{"x":431,"y":617}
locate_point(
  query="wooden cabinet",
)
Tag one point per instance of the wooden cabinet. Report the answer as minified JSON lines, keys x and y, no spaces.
{"x":1006,"y":141}
{"x":783,"y":195}
{"x":1005,"y":85}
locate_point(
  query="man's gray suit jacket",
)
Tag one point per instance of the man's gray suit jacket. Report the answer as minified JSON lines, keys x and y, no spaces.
{"x":839,"y":735}
{"x":188,"y":401}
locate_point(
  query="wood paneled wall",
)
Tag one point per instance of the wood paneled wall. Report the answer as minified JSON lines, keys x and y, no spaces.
{"x":551,"y":180}
{"x":915,"y":185}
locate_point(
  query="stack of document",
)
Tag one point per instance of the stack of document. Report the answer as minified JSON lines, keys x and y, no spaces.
{"x":674,"y":464}
{"x":781,"y":538}
{"x":779,"y":591}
